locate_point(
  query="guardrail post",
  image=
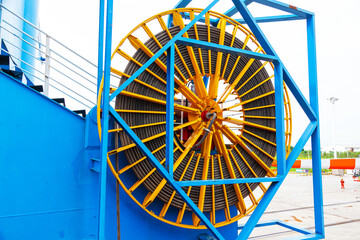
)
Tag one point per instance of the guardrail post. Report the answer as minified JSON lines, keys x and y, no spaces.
{"x":47,"y":66}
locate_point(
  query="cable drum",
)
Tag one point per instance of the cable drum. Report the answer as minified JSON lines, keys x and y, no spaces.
{"x":224,"y":153}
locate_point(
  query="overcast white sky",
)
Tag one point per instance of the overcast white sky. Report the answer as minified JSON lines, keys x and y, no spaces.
{"x":75,"y":23}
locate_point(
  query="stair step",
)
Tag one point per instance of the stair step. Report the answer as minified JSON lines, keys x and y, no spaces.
{"x":38,"y":88}
{"x":5,"y":62}
{"x":60,"y":101}
{"x":80,"y":112}
{"x":16,"y":74}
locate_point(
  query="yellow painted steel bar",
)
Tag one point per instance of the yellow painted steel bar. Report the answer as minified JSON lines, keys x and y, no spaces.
{"x":257,"y":136}
{"x":214,"y":83}
{"x":258,"y":85}
{"x":140,"y":181}
{"x":246,"y":162}
{"x":228,"y":55}
{"x":124,"y":169}
{"x":247,"y":80}
{"x":138,"y":111}
{"x":119,"y":73}
{"x":259,"y":117}
{"x":238,"y":58}
{"x":206,"y":160}
{"x":241,"y":122}
{"x":198,"y":81}
{"x":220,"y":146}
{"x":227,"y":208}
{"x":153,"y":137}
{"x":192,"y":16}
{"x":139,"y":126}
{"x":164,"y":27}
{"x":257,"y":147}
{"x":151,"y":35}
{"x":207,"y":23}
{"x":212,"y":214}
{"x":235,"y":139}
{"x":137,"y":44}
{"x":231,"y":87}
{"x":252,"y":198}
{"x":191,"y":141}
{"x":250,"y":100}
{"x":182,"y":210}
{"x":261,"y":107}
{"x":158,"y":101}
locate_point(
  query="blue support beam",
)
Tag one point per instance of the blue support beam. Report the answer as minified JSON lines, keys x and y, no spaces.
{"x":169,"y":149}
{"x":162,"y":50}
{"x":163,"y":172}
{"x":227,"y":181}
{"x":315,"y":140}
{"x":224,"y":49}
{"x":285,"y":7}
{"x":101,"y":44}
{"x":105,"y":120}
{"x":268,"y":19}
{"x":279,"y":113}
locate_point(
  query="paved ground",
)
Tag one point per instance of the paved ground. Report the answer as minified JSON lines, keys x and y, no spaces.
{"x":294,"y":204}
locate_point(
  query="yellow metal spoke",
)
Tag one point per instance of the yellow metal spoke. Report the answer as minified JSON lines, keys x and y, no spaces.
{"x":258,"y":85}
{"x":228,"y":55}
{"x":246,"y":162}
{"x":247,"y":80}
{"x":207,"y":23}
{"x":193,"y":138}
{"x":261,"y":107}
{"x":124,"y":169}
{"x":257,"y":136}
{"x":152,"y":137}
{"x":236,"y":140}
{"x":206,"y":149}
{"x":250,"y":100}
{"x":192,"y":16}
{"x":119,"y":73}
{"x":214,"y":83}
{"x":138,"y":111}
{"x":137,"y":44}
{"x":140,"y":181}
{"x":257,"y":147}
{"x":241,"y":122}
{"x":212,"y":214}
{"x":227,"y":208}
{"x":253,"y":199}
{"x":139,"y":126}
{"x":161,"y":102}
{"x":220,"y":146}
{"x":182,"y":210}
{"x":259,"y":117}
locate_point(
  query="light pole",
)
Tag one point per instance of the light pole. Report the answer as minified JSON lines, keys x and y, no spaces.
{"x":333,"y":100}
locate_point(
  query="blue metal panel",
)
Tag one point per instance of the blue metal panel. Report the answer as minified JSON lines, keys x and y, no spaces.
{"x":224,"y":49}
{"x":162,"y":50}
{"x":169,"y":149}
{"x":47,"y":188}
{"x":279,"y":112}
{"x":105,"y":120}
{"x":315,"y":139}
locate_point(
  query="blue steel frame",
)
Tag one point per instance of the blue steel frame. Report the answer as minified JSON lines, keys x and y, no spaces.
{"x":281,"y":76}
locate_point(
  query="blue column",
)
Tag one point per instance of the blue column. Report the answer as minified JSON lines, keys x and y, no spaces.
{"x":170,"y":111}
{"x":105,"y":121}
{"x":315,"y":138}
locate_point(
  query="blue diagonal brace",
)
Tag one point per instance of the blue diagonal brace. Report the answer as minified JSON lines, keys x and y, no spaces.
{"x":162,"y":171}
{"x":162,"y":50}
{"x":285,"y":7}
